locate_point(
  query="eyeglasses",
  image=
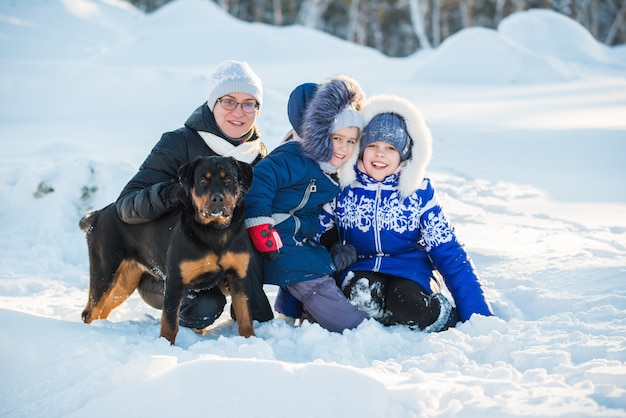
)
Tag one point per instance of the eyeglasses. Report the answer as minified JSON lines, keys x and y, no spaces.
{"x":230,"y":104}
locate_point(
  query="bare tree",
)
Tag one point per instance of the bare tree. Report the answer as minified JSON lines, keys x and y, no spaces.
{"x":499,"y":13}
{"x":616,"y":24}
{"x":467,"y":13}
{"x":310,"y":13}
{"x":519,"y":5}
{"x":353,"y":22}
{"x":372,"y":28}
{"x":436,"y":22}
{"x":278,"y":12}
{"x":417,"y":20}
{"x":582,"y":11}
{"x":401,"y":27}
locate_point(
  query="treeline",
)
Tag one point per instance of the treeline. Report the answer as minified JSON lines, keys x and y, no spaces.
{"x":398,"y":28}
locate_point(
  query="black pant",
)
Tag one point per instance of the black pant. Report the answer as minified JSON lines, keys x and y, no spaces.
{"x":392,"y":300}
{"x":200,"y":308}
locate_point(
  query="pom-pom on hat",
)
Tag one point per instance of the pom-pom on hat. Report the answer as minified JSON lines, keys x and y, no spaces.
{"x":298,"y":101}
{"x":389,"y":128}
{"x":231,"y":77}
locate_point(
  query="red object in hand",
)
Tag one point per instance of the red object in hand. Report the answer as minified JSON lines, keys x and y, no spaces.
{"x":265,"y":239}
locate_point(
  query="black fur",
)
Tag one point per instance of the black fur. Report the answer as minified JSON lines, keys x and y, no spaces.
{"x":201,"y":245}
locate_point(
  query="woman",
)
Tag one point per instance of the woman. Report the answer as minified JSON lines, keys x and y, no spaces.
{"x":224,"y":125}
{"x":389,"y":214}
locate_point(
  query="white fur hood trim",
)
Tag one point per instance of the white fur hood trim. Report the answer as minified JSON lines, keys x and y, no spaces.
{"x":413,"y":170}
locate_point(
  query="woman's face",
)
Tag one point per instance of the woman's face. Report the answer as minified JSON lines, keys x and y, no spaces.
{"x":343,"y":140}
{"x":235,"y":123}
{"x":380,"y":160}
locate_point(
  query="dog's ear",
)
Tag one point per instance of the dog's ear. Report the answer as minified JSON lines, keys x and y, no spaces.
{"x":244,"y":171}
{"x":186,"y":173}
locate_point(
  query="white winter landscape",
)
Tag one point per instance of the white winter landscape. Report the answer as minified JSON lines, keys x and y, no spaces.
{"x":529,"y":124}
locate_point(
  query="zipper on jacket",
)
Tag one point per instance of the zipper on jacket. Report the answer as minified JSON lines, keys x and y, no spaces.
{"x":377,"y":243}
{"x":311,"y":188}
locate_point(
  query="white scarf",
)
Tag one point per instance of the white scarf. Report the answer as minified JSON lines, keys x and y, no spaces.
{"x":246,"y":152}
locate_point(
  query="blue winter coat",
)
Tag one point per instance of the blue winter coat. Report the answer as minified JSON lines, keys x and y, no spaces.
{"x":288,"y":191}
{"x":405,"y":237}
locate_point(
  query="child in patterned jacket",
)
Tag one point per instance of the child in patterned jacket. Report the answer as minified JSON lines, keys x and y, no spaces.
{"x":394,"y":234}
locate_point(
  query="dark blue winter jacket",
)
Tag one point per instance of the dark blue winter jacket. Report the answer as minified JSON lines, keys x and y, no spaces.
{"x":288,"y":191}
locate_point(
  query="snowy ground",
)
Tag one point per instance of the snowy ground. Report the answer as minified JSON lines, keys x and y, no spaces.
{"x":529,"y":124}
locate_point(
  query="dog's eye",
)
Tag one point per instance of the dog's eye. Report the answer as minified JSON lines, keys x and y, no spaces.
{"x":228,"y":180}
{"x":202,"y":181}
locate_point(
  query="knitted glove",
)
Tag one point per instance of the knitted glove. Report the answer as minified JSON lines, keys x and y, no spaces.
{"x":173,"y":195}
{"x":266,"y":240}
{"x":344,"y":255}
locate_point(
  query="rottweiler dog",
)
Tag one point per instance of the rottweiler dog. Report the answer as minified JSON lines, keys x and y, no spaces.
{"x":202,"y":245}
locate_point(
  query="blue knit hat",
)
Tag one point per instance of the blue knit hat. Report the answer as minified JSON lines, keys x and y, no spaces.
{"x":298,"y":101}
{"x":389,"y":128}
{"x":231,"y":77}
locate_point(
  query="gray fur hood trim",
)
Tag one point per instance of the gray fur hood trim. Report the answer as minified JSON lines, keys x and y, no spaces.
{"x":414,"y":169}
{"x":331,"y":97}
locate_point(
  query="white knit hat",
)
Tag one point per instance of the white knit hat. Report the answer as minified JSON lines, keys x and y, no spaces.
{"x":349,"y":116}
{"x":231,"y":77}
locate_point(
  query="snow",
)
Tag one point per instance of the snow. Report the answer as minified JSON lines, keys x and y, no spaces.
{"x":529,"y":124}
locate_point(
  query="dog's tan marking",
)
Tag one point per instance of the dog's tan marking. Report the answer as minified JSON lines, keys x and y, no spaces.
{"x":166,"y":331}
{"x":198,"y":201}
{"x":236,"y":261}
{"x":242,"y":313}
{"x":189,"y":270}
{"x":239,"y":262}
{"x":222,"y":222}
{"x":230,"y":201}
{"x":124,"y":283}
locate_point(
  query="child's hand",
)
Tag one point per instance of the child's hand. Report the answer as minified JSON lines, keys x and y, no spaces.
{"x":344,"y":255}
{"x":266,"y":240}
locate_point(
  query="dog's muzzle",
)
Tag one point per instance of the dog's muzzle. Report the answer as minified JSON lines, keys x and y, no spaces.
{"x":216,"y":209}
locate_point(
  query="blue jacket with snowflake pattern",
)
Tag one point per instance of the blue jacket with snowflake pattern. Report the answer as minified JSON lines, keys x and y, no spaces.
{"x":398,"y":226}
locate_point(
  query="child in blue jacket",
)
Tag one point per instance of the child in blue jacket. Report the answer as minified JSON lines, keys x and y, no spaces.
{"x":389,"y":212}
{"x":290,"y":187}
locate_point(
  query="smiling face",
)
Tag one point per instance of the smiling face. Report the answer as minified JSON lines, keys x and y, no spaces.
{"x":380,"y":160}
{"x":344,"y":141}
{"x":235,"y":123}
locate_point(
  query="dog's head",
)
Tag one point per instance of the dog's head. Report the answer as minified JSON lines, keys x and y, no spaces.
{"x":217,"y":186}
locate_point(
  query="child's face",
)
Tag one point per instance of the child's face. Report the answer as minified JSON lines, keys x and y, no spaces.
{"x":344,"y":140}
{"x":380,"y":160}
